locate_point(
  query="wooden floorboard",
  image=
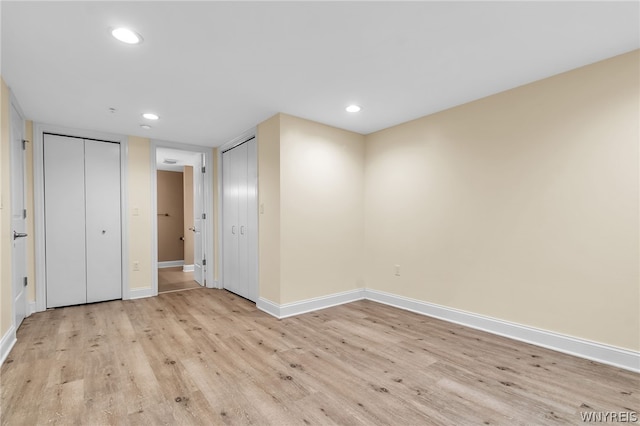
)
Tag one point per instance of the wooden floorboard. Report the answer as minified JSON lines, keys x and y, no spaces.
{"x":209,"y":357}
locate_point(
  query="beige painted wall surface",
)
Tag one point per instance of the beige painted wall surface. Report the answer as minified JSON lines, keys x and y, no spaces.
{"x":139,"y":176}
{"x":170,"y":216}
{"x":522,"y":206}
{"x":6,"y":307}
{"x":187,"y":201}
{"x":321,"y":209}
{"x":268,"y":134}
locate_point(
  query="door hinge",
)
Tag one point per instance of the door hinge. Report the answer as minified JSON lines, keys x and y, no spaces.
{"x":204,"y":215}
{"x":203,"y":169}
{"x":204,"y":262}
{"x":24,"y":144}
{"x":24,"y":213}
{"x":25,"y":281}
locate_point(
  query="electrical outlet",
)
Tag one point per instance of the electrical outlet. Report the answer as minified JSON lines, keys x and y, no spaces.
{"x":397,"y":270}
{"x":136,"y":265}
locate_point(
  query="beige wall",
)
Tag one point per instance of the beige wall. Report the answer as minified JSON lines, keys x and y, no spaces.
{"x":310,"y":193}
{"x":187,"y":191}
{"x":6,"y":307}
{"x":170,"y":216}
{"x":140,"y":230}
{"x":268,"y":134}
{"x":522,"y":206}
{"x":321,"y":209}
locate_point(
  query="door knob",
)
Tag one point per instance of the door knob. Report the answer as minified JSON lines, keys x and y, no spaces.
{"x":17,"y":235}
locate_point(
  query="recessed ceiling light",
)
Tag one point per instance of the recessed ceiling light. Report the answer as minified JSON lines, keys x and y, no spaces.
{"x":145,"y":126}
{"x":126,"y":35}
{"x":353,"y":108}
{"x":150,"y":116}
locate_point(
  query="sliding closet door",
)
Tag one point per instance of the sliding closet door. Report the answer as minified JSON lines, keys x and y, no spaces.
{"x":103,"y":245}
{"x":64,"y":220}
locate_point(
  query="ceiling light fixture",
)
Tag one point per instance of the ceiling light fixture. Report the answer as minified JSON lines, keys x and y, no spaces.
{"x":353,"y":108}
{"x":150,"y":116}
{"x":126,"y":35}
{"x":170,"y":161}
{"x":145,"y":126}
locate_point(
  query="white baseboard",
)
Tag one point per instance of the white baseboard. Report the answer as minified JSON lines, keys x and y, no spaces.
{"x":6,"y":343}
{"x":31,"y":308}
{"x":140,"y":293}
{"x":212,"y":284}
{"x":188,"y":268}
{"x":611,"y":355}
{"x":309,"y":305}
{"x":170,"y":264}
{"x":606,"y":354}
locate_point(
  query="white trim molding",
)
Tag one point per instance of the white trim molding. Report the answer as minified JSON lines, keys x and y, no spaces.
{"x":31,"y":308}
{"x":141,"y":293}
{"x":6,"y":343}
{"x":170,"y":264}
{"x":606,"y":354}
{"x":309,"y":305}
{"x":187,"y":268}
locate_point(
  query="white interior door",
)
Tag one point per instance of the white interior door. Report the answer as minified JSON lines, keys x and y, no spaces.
{"x":199,"y":267}
{"x":64,"y":197}
{"x":18,"y":218}
{"x":103,"y":238}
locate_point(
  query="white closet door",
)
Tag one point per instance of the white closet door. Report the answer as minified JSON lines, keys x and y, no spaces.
{"x":252,"y":220}
{"x":240,"y":220}
{"x":103,"y":238}
{"x":243,"y":252}
{"x":64,"y":220}
{"x":230,"y":221}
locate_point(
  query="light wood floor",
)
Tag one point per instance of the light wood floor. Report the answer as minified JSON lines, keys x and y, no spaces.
{"x":209,"y":357}
{"x":174,"y":279}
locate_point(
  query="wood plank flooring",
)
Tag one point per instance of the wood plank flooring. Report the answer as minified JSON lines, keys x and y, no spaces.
{"x":174,"y":279}
{"x":209,"y":357}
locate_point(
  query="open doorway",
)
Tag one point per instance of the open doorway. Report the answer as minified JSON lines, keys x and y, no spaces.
{"x":179,"y":203}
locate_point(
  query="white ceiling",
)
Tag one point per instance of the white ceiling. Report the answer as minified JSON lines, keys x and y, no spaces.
{"x":211,"y":70}
{"x":183,"y":158}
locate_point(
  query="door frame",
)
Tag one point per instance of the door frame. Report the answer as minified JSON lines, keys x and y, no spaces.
{"x":39,"y":130}
{"x":14,"y":105}
{"x":209,"y":252}
{"x":251,"y":133}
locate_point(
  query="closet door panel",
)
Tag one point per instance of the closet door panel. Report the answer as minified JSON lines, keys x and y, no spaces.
{"x":230,"y":221}
{"x":252,"y":220}
{"x":64,"y":220}
{"x":103,"y":236}
{"x":243,"y":253}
